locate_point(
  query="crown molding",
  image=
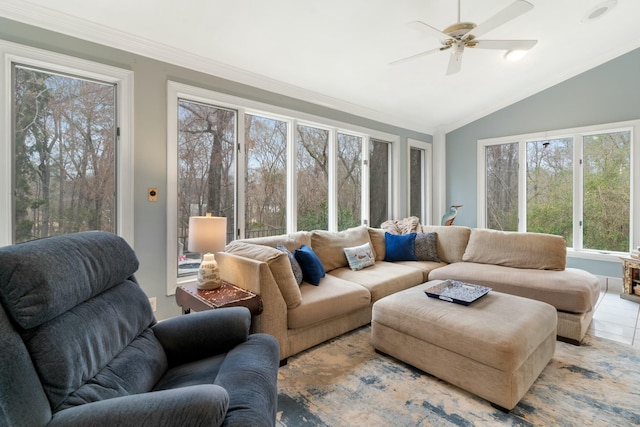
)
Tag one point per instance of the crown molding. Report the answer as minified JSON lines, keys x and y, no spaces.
{"x":62,"y":23}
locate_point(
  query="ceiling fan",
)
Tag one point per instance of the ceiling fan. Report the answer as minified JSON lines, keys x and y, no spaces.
{"x":461,"y":35}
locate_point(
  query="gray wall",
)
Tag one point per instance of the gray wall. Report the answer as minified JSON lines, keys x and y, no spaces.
{"x":605,"y":94}
{"x":150,"y":136}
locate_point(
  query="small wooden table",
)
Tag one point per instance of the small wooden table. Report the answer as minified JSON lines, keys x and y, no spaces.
{"x":189,"y":297}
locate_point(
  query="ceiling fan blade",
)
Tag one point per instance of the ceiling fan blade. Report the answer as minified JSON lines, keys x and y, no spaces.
{"x":417,"y":55}
{"x":455,"y":62}
{"x":434,"y":32}
{"x":504,"y":44}
{"x":508,"y":13}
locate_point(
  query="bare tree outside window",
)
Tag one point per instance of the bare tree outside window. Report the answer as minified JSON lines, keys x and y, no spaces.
{"x":416,"y":180}
{"x":379,"y":175}
{"x":349,"y":181}
{"x":65,"y":154}
{"x":266,"y":177}
{"x":206,"y":170}
{"x":502,"y":186}
{"x":312,"y":177}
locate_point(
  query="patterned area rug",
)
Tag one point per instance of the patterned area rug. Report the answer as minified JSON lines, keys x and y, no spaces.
{"x":344,"y":382}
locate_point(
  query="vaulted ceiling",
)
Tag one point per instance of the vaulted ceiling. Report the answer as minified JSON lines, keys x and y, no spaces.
{"x":337,"y":53}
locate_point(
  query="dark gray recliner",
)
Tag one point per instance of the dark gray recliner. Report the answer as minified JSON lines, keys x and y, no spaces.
{"x":80,"y":346}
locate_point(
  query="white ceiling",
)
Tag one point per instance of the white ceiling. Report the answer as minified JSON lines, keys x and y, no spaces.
{"x":336,"y":53}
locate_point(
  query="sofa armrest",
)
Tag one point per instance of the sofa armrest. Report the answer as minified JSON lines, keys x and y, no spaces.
{"x":192,"y":405}
{"x":199,"y":335}
{"x":255,"y":276}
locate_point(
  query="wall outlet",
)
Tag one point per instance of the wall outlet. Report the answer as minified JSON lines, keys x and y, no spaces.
{"x":154,"y":303}
{"x":152,"y":194}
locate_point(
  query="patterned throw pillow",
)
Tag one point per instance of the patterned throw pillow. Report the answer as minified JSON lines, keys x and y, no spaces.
{"x":295,"y":265}
{"x":426,"y":248}
{"x":360,"y":257}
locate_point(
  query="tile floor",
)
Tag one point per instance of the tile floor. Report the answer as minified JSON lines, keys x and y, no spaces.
{"x":615,"y":318}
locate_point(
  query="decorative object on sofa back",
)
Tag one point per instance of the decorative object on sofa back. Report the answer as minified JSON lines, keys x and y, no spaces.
{"x":208,"y":234}
{"x":450,"y":215}
{"x":401,"y":226}
{"x":80,"y":345}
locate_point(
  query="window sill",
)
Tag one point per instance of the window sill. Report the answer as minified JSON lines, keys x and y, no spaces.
{"x":597,"y":255}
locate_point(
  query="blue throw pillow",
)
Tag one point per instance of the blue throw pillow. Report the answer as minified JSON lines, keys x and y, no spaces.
{"x":400,"y":247}
{"x":312,"y":268}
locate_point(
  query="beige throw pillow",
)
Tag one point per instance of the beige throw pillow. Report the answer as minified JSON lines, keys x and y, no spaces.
{"x":329,"y":246}
{"x":279,"y":265}
{"x":512,"y":249}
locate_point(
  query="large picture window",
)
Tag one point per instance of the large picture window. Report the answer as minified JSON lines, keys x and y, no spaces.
{"x":574,"y":183}
{"x":66,"y":147}
{"x":269,"y":171}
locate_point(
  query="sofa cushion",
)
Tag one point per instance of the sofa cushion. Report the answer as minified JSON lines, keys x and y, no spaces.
{"x":360,"y":257}
{"x":312,"y":269}
{"x":400,"y":247}
{"x":381,"y":279}
{"x":570,"y":290}
{"x":513,"y":249}
{"x":329,"y":245}
{"x":278,"y":263}
{"x":295,"y":265}
{"x":452,"y":241}
{"x":291,"y":241}
{"x":424,"y":266}
{"x":376,"y":235}
{"x":426,"y":247}
{"x":334,"y":298}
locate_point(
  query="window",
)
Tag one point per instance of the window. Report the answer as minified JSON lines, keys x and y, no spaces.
{"x":66,"y":147}
{"x":206,"y":170}
{"x":576,"y":183}
{"x":266,"y":176}
{"x":349,"y":180}
{"x":290,"y":171}
{"x":379,"y":191}
{"x":419,"y":180}
{"x":312,"y":177}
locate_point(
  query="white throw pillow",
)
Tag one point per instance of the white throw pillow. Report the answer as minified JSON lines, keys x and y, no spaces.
{"x":360,"y":257}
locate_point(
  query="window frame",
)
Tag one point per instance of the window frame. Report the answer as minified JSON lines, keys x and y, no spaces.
{"x":576,"y":251}
{"x":50,"y":61}
{"x":243,"y":106}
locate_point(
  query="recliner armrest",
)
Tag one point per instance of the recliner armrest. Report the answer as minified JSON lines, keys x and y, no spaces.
{"x":193,"y":405}
{"x":199,"y":335}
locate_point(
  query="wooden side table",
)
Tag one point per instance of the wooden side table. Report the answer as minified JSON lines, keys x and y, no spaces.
{"x":189,"y":297}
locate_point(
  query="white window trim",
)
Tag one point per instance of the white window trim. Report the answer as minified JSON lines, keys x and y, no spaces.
{"x":123,"y":79}
{"x":176,"y":90}
{"x":426,"y":178}
{"x":576,"y":251}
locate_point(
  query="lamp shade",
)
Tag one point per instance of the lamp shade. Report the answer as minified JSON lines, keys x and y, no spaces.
{"x":207,"y":234}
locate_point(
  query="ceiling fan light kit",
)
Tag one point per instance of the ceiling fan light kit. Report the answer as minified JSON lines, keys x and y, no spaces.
{"x":463,"y":35}
{"x":515,"y":55}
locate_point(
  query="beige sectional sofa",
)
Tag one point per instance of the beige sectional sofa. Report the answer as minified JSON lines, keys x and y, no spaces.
{"x":301,"y":316}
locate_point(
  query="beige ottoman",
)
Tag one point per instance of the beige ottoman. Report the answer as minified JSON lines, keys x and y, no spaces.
{"x":495,"y":348}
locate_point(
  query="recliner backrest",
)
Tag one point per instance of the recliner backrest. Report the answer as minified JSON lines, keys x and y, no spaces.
{"x":83,"y":321}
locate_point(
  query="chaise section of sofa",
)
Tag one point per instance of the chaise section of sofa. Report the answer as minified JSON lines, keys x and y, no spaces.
{"x":530,"y":265}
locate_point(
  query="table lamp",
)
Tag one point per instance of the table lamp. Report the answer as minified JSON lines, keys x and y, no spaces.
{"x":208,"y":234}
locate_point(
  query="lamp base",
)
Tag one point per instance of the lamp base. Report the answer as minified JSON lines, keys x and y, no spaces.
{"x":208,"y":274}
